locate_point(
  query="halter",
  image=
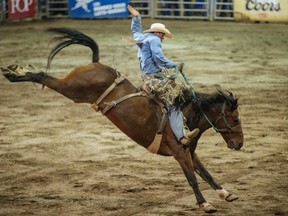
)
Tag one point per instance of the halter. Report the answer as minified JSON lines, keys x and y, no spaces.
{"x":229,"y":129}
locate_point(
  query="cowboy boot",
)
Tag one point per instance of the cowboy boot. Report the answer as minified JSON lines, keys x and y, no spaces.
{"x":192,"y":134}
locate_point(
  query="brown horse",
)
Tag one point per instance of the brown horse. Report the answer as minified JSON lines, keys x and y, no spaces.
{"x":139,"y":116}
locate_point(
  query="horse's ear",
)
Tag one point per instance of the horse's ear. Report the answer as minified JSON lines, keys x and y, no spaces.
{"x":234,"y":104}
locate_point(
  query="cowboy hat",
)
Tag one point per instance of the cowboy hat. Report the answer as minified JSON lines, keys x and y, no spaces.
{"x":159,"y":27}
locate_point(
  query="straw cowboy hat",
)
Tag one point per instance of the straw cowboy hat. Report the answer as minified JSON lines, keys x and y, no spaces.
{"x":159,"y":27}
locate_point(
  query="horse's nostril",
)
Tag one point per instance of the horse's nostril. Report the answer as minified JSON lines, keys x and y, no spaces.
{"x":238,"y":147}
{"x":235,"y":145}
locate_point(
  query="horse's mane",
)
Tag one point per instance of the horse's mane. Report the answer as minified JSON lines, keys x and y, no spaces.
{"x":204,"y":101}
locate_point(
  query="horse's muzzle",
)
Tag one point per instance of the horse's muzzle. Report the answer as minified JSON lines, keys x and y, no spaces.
{"x":235,"y":145}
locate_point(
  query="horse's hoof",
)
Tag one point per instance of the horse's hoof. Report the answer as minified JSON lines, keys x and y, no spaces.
{"x":17,"y":69}
{"x":223,"y":194}
{"x":11,"y":70}
{"x":207,"y":207}
{"x":5,"y":70}
{"x":13,"y":67}
{"x":231,"y":198}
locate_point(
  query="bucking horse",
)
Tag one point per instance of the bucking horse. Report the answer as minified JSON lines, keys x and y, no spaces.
{"x":132,"y":111}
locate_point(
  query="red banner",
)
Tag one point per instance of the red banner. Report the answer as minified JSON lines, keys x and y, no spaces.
{"x":18,"y":9}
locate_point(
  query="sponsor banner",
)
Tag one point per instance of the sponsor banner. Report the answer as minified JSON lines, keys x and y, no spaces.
{"x":98,"y":8}
{"x":261,"y":10}
{"x":18,"y":9}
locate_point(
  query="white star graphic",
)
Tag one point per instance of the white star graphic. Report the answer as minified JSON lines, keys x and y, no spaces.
{"x":83,"y":4}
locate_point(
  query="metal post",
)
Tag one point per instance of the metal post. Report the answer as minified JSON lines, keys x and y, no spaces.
{"x":3,"y":11}
{"x":181,"y":8}
{"x":212,"y":8}
{"x":39,"y":14}
{"x":48,"y":8}
{"x":152,"y":8}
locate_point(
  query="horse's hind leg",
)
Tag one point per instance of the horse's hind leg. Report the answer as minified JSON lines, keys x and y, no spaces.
{"x":28,"y":77}
{"x":13,"y":74}
{"x":205,"y":175}
{"x":75,"y":86}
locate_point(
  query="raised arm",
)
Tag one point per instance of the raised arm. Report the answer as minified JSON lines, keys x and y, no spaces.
{"x":136,"y":25}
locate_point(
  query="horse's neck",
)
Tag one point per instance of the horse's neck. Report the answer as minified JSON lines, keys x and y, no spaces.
{"x":209,"y":116}
{"x":195,"y":117}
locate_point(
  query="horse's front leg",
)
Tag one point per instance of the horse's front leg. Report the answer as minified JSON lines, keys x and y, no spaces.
{"x":186,"y":164}
{"x":205,"y":175}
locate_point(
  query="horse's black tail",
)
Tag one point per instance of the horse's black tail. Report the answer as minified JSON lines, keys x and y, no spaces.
{"x":68,"y":37}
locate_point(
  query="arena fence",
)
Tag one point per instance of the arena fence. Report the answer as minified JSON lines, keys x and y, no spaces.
{"x":57,"y":9}
{"x":223,"y":10}
{"x":164,"y":9}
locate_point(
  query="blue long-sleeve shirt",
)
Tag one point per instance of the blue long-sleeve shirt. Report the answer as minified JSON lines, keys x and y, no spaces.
{"x":150,"y":53}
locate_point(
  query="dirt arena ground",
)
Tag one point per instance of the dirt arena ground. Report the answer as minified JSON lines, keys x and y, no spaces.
{"x":61,"y":158}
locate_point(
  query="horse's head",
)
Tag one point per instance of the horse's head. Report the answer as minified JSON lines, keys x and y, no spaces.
{"x":219,"y":111}
{"x":229,"y":126}
{"x":225,"y":119}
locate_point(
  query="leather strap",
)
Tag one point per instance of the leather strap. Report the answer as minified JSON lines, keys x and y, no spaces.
{"x":112,"y":104}
{"x":95,"y":105}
